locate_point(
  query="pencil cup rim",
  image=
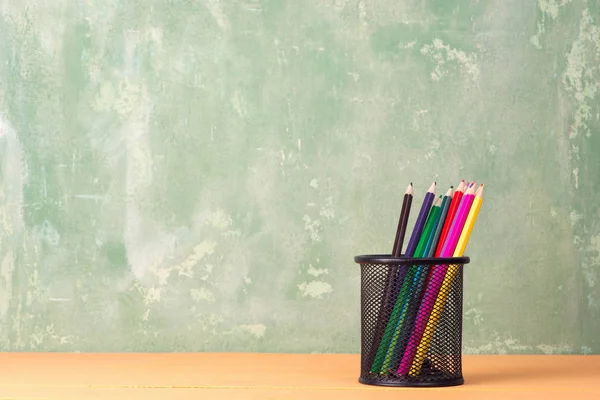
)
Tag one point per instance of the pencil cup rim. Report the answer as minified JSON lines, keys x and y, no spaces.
{"x":388,"y":259}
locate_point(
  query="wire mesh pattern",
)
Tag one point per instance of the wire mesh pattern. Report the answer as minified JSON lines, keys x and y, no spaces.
{"x":411,"y":321}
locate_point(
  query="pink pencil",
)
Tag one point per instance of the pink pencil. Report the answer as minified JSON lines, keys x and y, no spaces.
{"x":436,"y":281}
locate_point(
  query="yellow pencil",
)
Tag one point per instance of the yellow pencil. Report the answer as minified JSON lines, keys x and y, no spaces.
{"x":415,"y":368}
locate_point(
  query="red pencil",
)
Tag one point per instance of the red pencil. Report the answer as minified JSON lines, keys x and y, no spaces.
{"x":451,"y":212}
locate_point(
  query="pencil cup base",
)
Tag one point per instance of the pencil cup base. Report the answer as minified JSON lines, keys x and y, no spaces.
{"x":396,"y":383}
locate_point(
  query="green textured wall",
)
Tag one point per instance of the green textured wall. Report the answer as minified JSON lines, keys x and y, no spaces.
{"x":198,"y":174}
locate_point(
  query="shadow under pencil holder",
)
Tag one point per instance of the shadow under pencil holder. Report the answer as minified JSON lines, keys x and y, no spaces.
{"x":411,"y":320}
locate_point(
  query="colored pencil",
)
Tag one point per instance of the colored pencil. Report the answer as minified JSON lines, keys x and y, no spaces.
{"x":387,"y":301}
{"x":436,"y":280}
{"x":451,"y":212}
{"x":396,"y":284}
{"x":393,"y":327}
{"x":409,"y":315}
{"x":446,"y":285}
{"x":403,"y":221}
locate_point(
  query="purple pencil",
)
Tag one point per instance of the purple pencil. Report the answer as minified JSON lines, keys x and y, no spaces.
{"x":436,"y":281}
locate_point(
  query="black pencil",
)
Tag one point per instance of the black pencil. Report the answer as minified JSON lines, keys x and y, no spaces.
{"x":387,"y":302}
{"x":402,"y":222}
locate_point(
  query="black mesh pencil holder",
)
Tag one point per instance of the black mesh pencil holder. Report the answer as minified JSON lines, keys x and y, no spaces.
{"x":411,"y":320}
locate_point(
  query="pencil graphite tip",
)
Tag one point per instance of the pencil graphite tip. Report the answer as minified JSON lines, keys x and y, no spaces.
{"x":470,"y":190}
{"x":432,"y":188}
{"x":479,"y":192}
{"x":409,"y":189}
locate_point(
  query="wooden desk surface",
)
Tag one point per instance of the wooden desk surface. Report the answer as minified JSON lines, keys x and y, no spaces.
{"x":227,"y":376}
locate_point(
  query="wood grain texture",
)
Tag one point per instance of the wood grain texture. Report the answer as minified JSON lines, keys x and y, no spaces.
{"x":210,"y":376}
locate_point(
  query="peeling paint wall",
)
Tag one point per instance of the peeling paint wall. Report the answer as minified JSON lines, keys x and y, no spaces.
{"x":198,"y":175}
